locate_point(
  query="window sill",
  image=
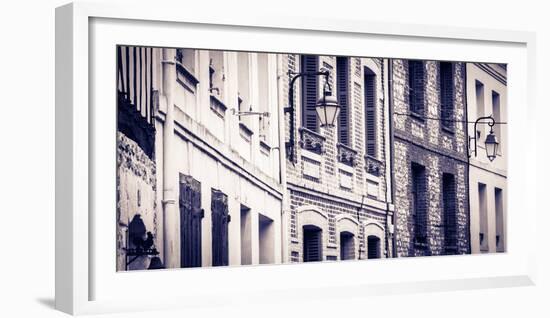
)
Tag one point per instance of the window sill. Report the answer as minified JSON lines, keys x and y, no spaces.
{"x":416,"y":116}
{"x":217,"y":106}
{"x":447,"y":130}
{"x":245,"y":132}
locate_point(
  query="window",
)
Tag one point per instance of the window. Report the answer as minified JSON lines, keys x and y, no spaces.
{"x":313,"y":244}
{"x":483,"y":222}
{"x":186,"y":57}
{"x":216,"y":74}
{"x":310,"y":88}
{"x":373,"y":247}
{"x":342,"y":94}
{"x":246,"y":236}
{"x":266,"y":234}
{"x":191,"y":215}
{"x":347,"y":246}
{"x":220,"y":221}
{"x":370,"y":112}
{"x":480,"y":106}
{"x":263,"y":94}
{"x":416,"y":87}
{"x":446,"y":89}
{"x":449,"y":213}
{"x":499,"y":221}
{"x":244,"y":83}
{"x":419,"y":206}
{"x":496,"y":114}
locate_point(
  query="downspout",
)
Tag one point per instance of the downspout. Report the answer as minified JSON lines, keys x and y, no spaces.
{"x":392,"y":152}
{"x":282,"y":158}
{"x":467,"y":173}
{"x":169,"y":174}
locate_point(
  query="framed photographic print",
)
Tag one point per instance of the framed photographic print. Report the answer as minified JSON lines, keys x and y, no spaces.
{"x":238,"y":155}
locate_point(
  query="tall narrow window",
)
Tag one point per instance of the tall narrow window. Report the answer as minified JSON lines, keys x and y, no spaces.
{"x":419,"y":208}
{"x":216,"y":74}
{"x":499,"y":221}
{"x":310,"y":88}
{"x":373,"y":247}
{"x":480,"y":106}
{"x":263,"y":94}
{"x":313,"y":243}
{"x":342,"y":91}
{"x":449,"y":213}
{"x":416,"y":87}
{"x":347,"y":246}
{"x":243,"y":66}
{"x":370,"y":112}
{"x":246,"y":236}
{"x":496,"y":114}
{"x":483,"y":222}
{"x":220,"y":220}
{"x":191,"y":215}
{"x":446,"y":88}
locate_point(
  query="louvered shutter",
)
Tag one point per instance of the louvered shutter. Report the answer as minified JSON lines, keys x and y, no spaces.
{"x":446,"y":91}
{"x":342,"y":88}
{"x":370,"y":114}
{"x":449,"y":213}
{"x":416,"y":86}
{"x":310,"y":63}
{"x":220,"y":220}
{"x":191,"y":215}
{"x":313,"y":247}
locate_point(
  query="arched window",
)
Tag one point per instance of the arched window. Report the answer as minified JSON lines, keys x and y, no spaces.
{"x":347,"y":246}
{"x":313,"y":243}
{"x":373,"y":247}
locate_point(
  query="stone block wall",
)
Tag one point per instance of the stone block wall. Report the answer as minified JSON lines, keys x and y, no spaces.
{"x":421,"y":140}
{"x":136,"y":194}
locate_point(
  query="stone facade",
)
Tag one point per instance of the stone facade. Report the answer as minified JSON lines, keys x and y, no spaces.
{"x":422,"y":147}
{"x":136,"y":194}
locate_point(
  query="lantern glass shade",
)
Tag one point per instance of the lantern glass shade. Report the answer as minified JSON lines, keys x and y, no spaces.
{"x":491,"y":146}
{"x":327,"y":109}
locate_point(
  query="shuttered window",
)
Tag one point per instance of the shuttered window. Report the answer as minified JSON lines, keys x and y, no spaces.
{"x":310,"y":88}
{"x":313,"y":246}
{"x":416,"y":87}
{"x":373,"y":247}
{"x":347,"y":246}
{"x":342,"y":91}
{"x":220,"y":220}
{"x":419,"y":207}
{"x":191,"y":215}
{"x":446,"y":88}
{"x":370,"y":112}
{"x":449,"y":213}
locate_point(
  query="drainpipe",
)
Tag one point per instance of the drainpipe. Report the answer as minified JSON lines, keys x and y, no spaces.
{"x":467,"y":172}
{"x":170,"y":223}
{"x":282,"y":159}
{"x":392,"y":151}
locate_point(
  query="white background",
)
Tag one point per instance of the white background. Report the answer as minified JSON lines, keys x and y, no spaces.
{"x":27,"y":157}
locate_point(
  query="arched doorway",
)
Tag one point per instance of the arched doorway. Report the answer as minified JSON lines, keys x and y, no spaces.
{"x":313,"y":243}
{"x":347,"y":246}
{"x":373,"y":247}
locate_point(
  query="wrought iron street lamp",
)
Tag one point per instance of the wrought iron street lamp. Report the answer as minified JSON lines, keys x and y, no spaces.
{"x":491,"y":141}
{"x":327,"y":107}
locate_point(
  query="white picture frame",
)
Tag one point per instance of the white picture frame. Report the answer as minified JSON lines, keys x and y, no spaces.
{"x":82,"y":287}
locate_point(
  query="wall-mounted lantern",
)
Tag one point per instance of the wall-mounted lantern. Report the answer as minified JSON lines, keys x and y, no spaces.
{"x":491,"y":141}
{"x":327,"y":107}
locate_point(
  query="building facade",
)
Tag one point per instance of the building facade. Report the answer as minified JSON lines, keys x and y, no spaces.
{"x":222,"y":158}
{"x":486,"y":91}
{"x":430,"y":159}
{"x":338,"y":191}
{"x":198,"y":160}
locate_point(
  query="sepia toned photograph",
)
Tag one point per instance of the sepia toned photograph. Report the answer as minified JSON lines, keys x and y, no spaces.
{"x":233,"y":158}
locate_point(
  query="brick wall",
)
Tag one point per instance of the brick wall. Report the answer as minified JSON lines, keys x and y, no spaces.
{"x":323,"y":174}
{"x":425,"y":142}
